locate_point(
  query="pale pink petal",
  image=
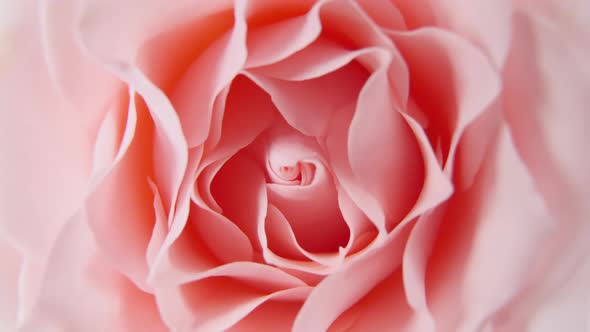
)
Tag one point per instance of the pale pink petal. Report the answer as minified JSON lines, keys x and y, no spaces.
{"x":485,"y":23}
{"x":121,"y":202}
{"x":337,"y":150}
{"x":475,"y":144}
{"x":194,"y":94}
{"x":169,"y":147}
{"x":186,"y":253}
{"x":384,"y":13}
{"x":226,"y":241}
{"x":97,"y":297}
{"x":319,"y":58}
{"x":239,"y":189}
{"x":312,"y":211}
{"x":328,"y":301}
{"x":46,"y":154}
{"x":248,"y":111}
{"x":202,"y":188}
{"x":74,"y":72}
{"x":280,"y":248}
{"x":416,"y":13}
{"x":274,"y":42}
{"x":182,"y":250}
{"x":564,"y":305}
{"x":382,"y":309}
{"x":217,"y":118}
{"x":272,"y":315}
{"x":166,"y":56}
{"x":279,"y":237}
{"x":361,"y":229}
{"x":160,"y":226}
{"x":283,"y":242}
{"x":261,"y":276}
{"x":308,"y":105}
{"x":547,"y":80}
{"x":217,"y":303}
{"x":467,"y":84}
{"x":10,"y":270}
{"x":347,"y":23}
{"x":116,"y":31}
{"x":436,"y":189}
{"x":383,"y":151}
{"x":508,"y":226}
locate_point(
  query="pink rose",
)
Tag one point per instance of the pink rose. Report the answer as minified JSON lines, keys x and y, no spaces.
{"x":295,"y":165}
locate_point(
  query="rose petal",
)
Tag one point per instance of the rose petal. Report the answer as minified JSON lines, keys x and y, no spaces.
{"x":319,"y":58}
{"x":336,"y":146}
{"x":160,"y":226}
{"x":327,"y":301}
{"x":360,"y":227}
{"x":436,"y":189}
{"x":116,"y":31}
{"x":415,"y":13}
{"x":284,"y":242}
{"x":272,"y":315}
{"x":109,"y":301}
{"x":497,"y":248}
{"x":74,"y":72}
{"x":46,"y":149}
{"x":268,"y":44}
{"x":469,"y":87}
{"x":393,"y":175}
{"x":195,"y":92}
{"x":312,"y":212}
{"x":217,"y":303}
{"x":384,"y":13}
{"x":121,"y":192}
{"x":308,"y":105}
{"x":546,"y":109}
{"x":484,"y":23}
{"x":239,"y":189}
{"x":382,"y":309}
{"x":10,"y":270}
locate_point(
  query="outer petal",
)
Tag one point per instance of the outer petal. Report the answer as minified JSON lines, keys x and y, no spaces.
{"x":487,"y":243}
{"x":328,"y":300}
{"x":547,"y":78}
{"x":547,"y":82}
{"x":46,"y":152}
{"x":10,"y":270}
{"x":81,"y":292}
{"x":486,"y":23}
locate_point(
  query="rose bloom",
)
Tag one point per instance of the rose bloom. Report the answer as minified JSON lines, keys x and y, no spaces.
{"x":294,"y":165}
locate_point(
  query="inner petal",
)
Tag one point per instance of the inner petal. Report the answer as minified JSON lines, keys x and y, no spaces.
{"x":301,"y":187}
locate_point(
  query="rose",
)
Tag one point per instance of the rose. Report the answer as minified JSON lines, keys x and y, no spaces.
{"x":273,"y":166}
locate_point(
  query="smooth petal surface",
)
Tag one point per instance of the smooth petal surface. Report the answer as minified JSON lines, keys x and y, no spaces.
{"x":469,"y":87}
{"x":194,"y":94}
{"x":98,"y":297}
{"x":39,"y":181}
{"x":546,"y":109}
{"x":327,"y":301}
{"x":392,"y":176}
{"x":116,"y":31}
{"x":70,"y":68}
{"x":120,"y":206}
{"x":484,"y":23}
{"x":10,"y":270}
{"x":497,"y":236}
{"x":436,"y":189}
{"x":217,"y":303}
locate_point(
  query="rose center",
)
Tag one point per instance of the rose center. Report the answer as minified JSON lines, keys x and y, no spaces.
{"x":300,"y":186}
